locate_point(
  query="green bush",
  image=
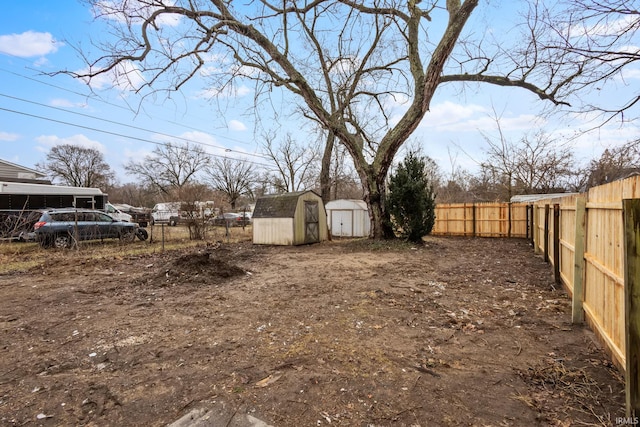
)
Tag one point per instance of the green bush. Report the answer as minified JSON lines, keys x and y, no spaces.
{"x":410,"y":199}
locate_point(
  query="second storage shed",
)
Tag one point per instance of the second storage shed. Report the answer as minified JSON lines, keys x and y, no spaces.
{"x":289,"y":219}
{"x":348,"y":218}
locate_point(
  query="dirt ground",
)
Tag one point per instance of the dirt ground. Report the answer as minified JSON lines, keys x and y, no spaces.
{"x":351,"y":333}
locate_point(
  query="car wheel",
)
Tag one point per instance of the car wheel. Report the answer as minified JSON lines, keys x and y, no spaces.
{"x":62,"y":241}
{"x":142,"y":234}
{"x":128,"y":235}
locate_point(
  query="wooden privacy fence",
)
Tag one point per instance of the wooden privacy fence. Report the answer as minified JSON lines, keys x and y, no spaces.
{"x":592,"y":240}
{"x":483,"y":219}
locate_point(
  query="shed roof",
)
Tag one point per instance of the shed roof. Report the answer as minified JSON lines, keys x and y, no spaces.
{"x":525,"y":198}
{"x":350,"y":204}
{"x":278,"y":205}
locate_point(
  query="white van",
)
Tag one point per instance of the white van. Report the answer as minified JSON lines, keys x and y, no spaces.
{"x":163,"y":212}
{"x":117,"y":213}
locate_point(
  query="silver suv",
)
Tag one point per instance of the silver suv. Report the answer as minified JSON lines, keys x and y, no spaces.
{"x":61,"y":228}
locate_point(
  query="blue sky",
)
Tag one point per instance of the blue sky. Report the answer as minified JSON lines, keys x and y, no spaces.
{"x":38,"y":111}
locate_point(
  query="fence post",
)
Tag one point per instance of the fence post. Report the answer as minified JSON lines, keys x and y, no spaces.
{"x":473,"y":214}
{"x":546,"y":233}
{"x":577,"y":312}
{"x":509,"y":219}
{"x":534,"y":229}
{"x":556,"y":243}
{"x":530,"y":224}
{"x":631,"y":212}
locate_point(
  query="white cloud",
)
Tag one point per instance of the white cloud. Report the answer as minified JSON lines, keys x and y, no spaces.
{"x":136,"y":155}
{"x":28,"y":44}
{"x":605,"y":28}
{"x":396,"y":102}
{"x":65,"y":103}
{"x":5,"y":136}
{"x":193,"y":136}
{"x":226,"y":92}
{"x":449,"y":116}
{"x":126,"y":77}
{"x":134,"y":12}
{"x":523,"y":122}
{"x":48,"y":141}
{"x":631,"y":73}
{"x":237,"y":125}
{"x":197,"y":136}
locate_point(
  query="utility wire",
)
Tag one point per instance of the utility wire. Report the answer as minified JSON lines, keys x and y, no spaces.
{"x":116,"y":133}
{"x":128,"y":126}
{"x":97,"y":98}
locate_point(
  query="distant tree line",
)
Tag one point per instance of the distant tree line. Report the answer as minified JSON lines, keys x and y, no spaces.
{"x":187,"y":172}
{"x":534,"y":164}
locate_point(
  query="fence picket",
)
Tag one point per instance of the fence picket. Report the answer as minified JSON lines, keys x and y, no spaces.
{"x":588,"y":253}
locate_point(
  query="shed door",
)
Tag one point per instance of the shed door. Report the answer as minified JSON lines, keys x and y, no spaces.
{"x":311,"y":222}
{"x":342,"y":223}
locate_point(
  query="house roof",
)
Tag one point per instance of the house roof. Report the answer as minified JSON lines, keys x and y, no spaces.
{"x":11,"y":170}
{"x":9,"y":187}
{"x":278,"y":205}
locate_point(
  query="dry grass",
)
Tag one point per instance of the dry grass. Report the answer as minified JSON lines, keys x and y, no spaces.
{"x":20,"y":256}
{"x":579,"y":392}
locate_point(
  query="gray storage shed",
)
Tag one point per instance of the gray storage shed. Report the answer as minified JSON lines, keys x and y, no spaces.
{"x":289,"y":219}
{"x":348,"y":218}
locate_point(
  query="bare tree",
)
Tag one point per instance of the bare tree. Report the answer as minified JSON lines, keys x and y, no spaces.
{"x":614,"y":163}
{"x":192,"y":211}
{"x":343,"y":181}
{"x":534,"y":164}
{"x":294,"y":166}
{"x":132,"y":193}
{"x":234,"y":178}
{"x":343,"y":61}
{"x":599,"y":37}
{"x":170,"y":166}
{"x":77,"y":166}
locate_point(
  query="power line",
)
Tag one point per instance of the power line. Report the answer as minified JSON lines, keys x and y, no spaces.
{"x":115,"y":133}
{"x":98,"y":99}
{"x":129,"y":126}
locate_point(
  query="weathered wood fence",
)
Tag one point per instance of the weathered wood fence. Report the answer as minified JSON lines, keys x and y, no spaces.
{"x":592,"y":240}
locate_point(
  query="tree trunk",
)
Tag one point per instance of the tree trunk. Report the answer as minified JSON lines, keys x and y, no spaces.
{"x":325,"y":175}
{"x":375,"y":195}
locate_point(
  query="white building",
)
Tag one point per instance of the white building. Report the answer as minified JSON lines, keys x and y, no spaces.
{"x":348,"y":218}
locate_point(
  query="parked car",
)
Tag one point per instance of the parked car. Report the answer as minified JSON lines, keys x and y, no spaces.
{"x":117,"y":213}
{"x":165,"y":213}
{"x":247,"y":217}
{"x":138,"y":214}
{"x":228,"y":218}
{"x":59,"y":228}
{"x":232,"y":220}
